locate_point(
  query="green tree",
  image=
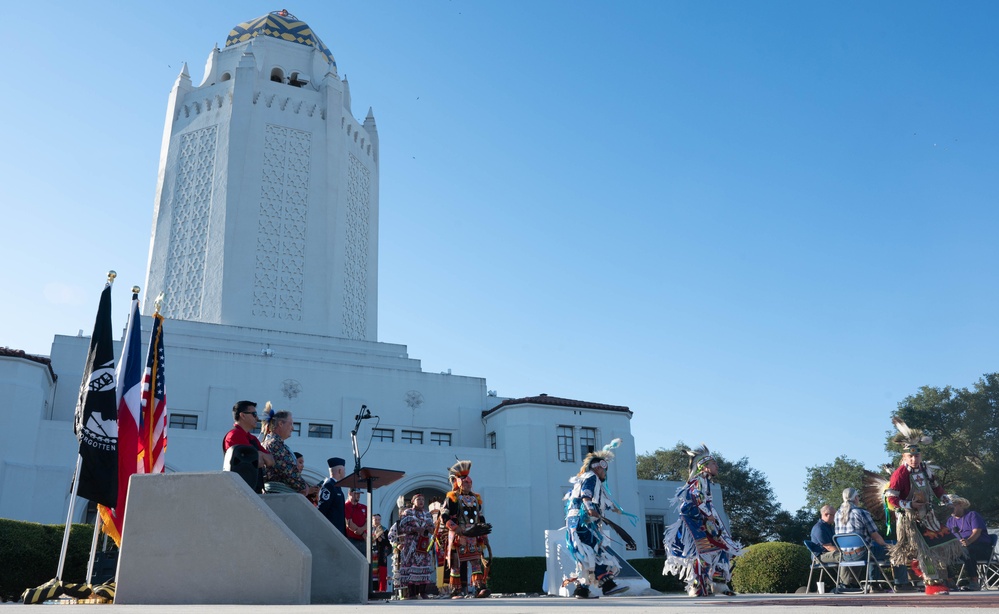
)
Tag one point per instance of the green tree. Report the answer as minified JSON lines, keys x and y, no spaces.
{"x":964,"y":425}
{"x":825,"y":483}
{"x":795,"y":528}
{"x":747,"y":496}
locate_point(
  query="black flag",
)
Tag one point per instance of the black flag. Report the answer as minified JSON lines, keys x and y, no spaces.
{"x":96,"y":423}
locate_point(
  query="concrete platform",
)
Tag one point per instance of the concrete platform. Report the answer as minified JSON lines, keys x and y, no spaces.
{"x":983,"y":601}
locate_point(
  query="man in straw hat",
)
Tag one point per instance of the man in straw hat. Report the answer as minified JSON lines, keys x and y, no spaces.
{"x":587,"y":532}
{"x":923,"y":543}
{"x":698,"y":545}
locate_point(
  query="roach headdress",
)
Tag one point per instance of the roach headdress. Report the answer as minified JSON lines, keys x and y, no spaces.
{"x":600,"y":458}
{"x":698,"y":458}
{"x":909,"y":438}
{"x":460,"y":469}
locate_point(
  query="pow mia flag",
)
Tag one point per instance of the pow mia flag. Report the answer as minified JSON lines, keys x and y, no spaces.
{"x":96,"y":423}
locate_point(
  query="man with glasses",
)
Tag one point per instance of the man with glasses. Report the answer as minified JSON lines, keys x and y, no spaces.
{"x":244,"y":415}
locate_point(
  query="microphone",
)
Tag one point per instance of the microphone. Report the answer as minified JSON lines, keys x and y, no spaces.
{"x":365,"y":413}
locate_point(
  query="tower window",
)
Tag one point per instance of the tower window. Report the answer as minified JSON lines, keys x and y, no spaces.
{"x":277,"y":75}
{"x":183,"y":421}
{"x":225,"y":76}
{"x":441,"y":439}
{"x":382,"y":435}
{"x":322,"y":431}
{"x":412,"y":436}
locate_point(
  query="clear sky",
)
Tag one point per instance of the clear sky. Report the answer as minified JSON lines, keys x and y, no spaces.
{"x":759,"y":225}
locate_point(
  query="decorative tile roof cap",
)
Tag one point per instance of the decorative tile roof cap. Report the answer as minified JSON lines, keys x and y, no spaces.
{"x":281,"y":25}
{"x":12,"y":353}
{"x":544,"y":399}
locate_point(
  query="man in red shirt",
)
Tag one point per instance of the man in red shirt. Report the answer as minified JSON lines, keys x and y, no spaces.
{"x":244,"y":415}
{"x":356,"y":514}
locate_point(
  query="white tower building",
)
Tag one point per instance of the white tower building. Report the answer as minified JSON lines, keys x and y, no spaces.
{"x":267,"y":197}
{"x":265,"y":244}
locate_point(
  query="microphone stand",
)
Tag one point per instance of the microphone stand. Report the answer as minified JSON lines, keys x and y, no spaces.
{"x":353,"y":440}
{"x":363,"y":414}
{"x":367,"y":477}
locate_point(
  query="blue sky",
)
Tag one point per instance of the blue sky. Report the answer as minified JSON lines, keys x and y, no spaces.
{"x":760,"y":225}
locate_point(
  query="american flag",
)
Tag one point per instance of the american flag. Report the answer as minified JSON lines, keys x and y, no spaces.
{"x":153,"y":416}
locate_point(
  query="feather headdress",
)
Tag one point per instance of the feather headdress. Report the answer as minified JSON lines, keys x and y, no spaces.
{"x":698,"y":457}
{"x":909,"y":438}
{"x":873,"y":493}
{"x":460,"y":469}
{"x":604,"y":456}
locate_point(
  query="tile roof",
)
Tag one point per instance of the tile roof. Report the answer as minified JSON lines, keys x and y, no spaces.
{"x":544,"y":399}
{"x":6,"y":351}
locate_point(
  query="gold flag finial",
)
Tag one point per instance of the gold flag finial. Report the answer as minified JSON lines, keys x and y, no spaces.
{"x":111,"y":276}
{"x":136,"y":289}
{"x":157,"y":303}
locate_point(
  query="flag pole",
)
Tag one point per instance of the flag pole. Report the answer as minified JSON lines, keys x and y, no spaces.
{"x":93,"y":549}
{"x":72,"y":498}
{"x":69,"y":519}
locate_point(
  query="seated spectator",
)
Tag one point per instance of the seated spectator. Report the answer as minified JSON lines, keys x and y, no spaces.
{"x":300,"y":462}
{"x":244,"y":416}
{"x":968,"y":526}
{"x":822,"y":534}
{"x":284,"y":475}
{"x":851,"y":518}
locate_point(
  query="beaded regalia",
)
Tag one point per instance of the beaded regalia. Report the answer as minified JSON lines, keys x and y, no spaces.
{"x":698,"y":546}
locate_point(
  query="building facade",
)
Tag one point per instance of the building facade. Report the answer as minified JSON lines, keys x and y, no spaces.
{"x":265,"y":245}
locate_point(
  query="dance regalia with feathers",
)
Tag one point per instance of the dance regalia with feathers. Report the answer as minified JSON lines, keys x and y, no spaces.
{"x":698,"y":546}
{"x":587,"y":536}
{"x":467,"y":530}
{"x":909,"y":493}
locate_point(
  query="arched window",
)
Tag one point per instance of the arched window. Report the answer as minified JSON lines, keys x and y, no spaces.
{"x":225,"y":76}
{"x":277,"y":75}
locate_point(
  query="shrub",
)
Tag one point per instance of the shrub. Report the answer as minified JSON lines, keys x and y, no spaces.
{"x":771,"y":567}
{"x":29,"y":554}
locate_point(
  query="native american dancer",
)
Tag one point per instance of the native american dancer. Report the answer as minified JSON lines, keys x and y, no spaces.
{"x":462,"y":514}
{"x":588,"y":532}
{"x":923,"y":542}
{"x":698,"y":545}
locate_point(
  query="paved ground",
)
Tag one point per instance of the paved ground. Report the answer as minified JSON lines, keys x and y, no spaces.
{"x":795,"y":604}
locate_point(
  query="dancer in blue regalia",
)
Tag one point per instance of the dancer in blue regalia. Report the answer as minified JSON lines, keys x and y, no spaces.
{"x":698,"y":545}
{"x":588,"y":535}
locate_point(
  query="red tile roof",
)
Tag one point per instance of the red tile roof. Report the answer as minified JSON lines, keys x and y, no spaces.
{"x":6,"y":351}
{"x":544,"y":399}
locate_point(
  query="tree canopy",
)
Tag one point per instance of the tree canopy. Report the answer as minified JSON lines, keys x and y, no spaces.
{"x":747,"y":495}
{"x":825,"y":483}
{"x":964,"y":425}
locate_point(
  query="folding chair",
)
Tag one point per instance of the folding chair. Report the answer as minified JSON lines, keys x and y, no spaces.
{"x":988,"y":571}
{"x":824,"y":569}
{"x":852,"y":543}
